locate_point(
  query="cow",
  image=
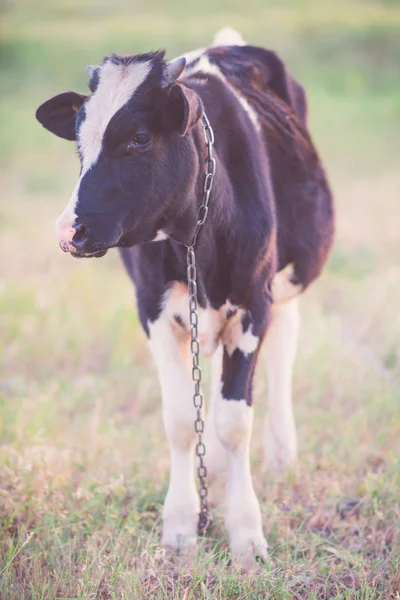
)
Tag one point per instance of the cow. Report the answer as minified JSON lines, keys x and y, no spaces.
{"x":269,"y":229}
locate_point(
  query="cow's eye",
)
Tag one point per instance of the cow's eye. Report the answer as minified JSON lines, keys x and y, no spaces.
{"x":140,"y":140}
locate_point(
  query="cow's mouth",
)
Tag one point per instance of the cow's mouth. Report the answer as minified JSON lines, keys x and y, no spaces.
{"x":97,"y":254}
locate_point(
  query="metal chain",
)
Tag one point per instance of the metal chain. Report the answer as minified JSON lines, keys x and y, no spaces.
{"x":204,"y":516}
{"x":208,"y":181}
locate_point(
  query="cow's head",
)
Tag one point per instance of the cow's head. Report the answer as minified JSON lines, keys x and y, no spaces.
{"x":139,"y":169}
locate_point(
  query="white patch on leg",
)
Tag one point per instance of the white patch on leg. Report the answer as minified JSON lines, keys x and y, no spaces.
{"x":233,"y":419}
{"x":248,"y":342}
{"x":173,"y":360}
{"x":280,"y":348}
{"x":215,"y":453}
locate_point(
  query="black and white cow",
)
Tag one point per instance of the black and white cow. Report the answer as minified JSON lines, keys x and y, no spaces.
{"x":270,"y":227}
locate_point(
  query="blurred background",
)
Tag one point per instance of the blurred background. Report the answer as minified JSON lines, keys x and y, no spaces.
{"x":80,"y":426}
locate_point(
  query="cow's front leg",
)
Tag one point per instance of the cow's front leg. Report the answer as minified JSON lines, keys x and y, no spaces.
{"x":171,"y":351}
{"x":233,"y":419}
{"x":215,"y":452}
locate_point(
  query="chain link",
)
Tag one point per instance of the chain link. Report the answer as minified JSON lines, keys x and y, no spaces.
{"x":208,"y":180}
{"x":204,"y":516}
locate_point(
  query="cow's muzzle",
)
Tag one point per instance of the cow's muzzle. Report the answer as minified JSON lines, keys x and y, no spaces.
{"x":76,"y":240}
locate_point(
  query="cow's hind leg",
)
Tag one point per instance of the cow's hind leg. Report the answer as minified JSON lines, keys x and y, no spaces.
{"x":281,"y":346}
{"x":171,"y":351}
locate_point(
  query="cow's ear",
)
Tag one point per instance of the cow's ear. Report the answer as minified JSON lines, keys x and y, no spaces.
{"x":58,"y":114}
{"x":184,"y":108}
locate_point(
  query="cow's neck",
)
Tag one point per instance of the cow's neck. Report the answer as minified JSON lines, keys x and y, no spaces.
{"x":181,"y":226}
{"x":214,"y":233}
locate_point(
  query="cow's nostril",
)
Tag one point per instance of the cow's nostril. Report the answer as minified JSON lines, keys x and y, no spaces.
{"x":81,"y":236}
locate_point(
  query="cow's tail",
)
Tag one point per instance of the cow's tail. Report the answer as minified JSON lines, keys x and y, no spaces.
{"x":228,"y":37}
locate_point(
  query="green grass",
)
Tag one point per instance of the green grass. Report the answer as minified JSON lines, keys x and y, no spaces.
{"x":83,"y":457}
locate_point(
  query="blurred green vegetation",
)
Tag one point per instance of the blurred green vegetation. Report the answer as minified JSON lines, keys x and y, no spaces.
{"x":347,"y":54}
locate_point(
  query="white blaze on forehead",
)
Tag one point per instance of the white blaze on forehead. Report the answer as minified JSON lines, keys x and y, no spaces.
{"x":117,"y":84}
{"x":248,"y":343}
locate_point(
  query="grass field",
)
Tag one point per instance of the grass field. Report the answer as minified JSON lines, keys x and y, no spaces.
{"x":83,"y":457}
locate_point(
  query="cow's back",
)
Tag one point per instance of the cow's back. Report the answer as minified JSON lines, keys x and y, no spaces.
{"x":303,"y":198}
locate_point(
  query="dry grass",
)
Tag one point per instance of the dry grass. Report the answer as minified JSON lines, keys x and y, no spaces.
{"x":83,"y":457}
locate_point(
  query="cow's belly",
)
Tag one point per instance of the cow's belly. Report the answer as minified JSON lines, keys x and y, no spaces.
{"x":223,"y":324}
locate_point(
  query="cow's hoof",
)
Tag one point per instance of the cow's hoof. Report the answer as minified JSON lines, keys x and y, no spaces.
{"x":249,"y":549}
{"x":179,"y":531}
